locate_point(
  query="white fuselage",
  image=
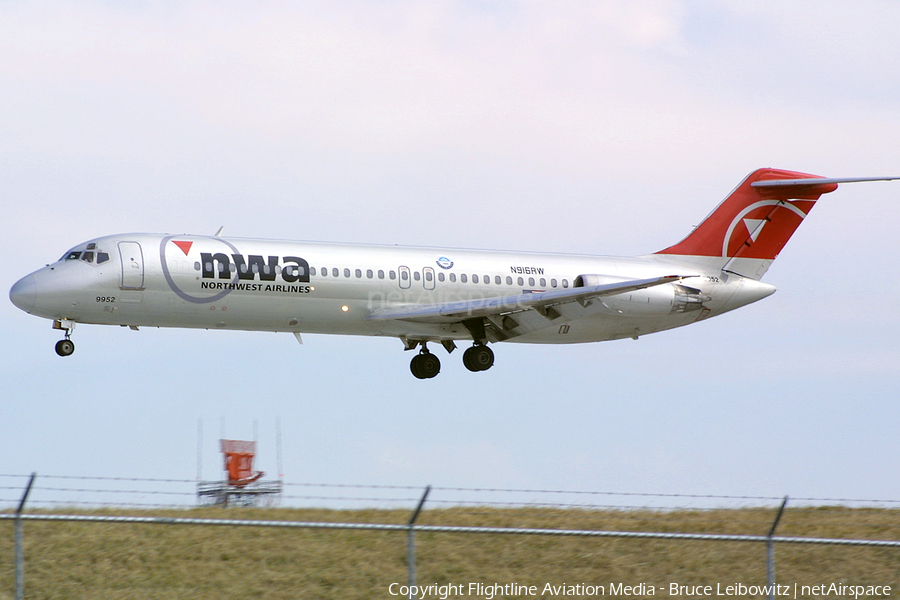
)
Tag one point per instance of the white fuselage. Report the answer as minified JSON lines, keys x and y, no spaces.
{"x":309,"y":287}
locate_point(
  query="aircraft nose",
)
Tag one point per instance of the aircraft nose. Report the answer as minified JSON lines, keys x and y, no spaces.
{"x":24,"y":293}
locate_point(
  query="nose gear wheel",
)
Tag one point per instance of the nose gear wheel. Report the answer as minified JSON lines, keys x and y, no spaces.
{"x":65,"y":347}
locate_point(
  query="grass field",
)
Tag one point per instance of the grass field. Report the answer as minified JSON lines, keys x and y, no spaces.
{"x":118,"y":561}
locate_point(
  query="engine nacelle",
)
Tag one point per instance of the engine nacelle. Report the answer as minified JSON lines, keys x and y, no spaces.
{"x":656,"y":301}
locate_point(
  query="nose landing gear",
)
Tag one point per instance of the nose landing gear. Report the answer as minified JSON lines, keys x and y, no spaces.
{"x":65,"y":347}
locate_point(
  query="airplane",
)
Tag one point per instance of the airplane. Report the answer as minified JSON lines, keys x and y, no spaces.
{"x":426,"y":295}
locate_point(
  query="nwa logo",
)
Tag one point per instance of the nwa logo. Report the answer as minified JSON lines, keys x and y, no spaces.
{"x":226,"y":269}
{"x":292,"y":268}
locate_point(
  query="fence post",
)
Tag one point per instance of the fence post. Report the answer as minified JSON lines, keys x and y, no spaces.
{"x":411,"y":543}
{"x":20,"y":560}
{"x":770,"y":551}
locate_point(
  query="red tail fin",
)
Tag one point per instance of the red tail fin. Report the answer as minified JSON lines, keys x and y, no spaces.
{"x":751,"y":226}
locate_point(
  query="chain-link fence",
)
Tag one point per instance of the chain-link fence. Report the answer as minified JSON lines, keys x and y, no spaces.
{"x":720,"y":530}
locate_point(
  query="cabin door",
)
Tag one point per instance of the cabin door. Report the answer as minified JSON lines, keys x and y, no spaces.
{"x":132,"y":259}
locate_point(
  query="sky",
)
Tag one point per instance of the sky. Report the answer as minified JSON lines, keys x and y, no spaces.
{"x":599,"y":127}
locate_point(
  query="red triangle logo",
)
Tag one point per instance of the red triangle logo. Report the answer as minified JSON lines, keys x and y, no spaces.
{"x":185,"y":246}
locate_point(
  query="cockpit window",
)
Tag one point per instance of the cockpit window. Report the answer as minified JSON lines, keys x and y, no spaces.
{"x":87,"y":255}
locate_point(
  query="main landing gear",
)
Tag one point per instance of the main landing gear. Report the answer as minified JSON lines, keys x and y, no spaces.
{"x":426,"y":365}
{"x":478,"y":358}
{"x":66,"y":346}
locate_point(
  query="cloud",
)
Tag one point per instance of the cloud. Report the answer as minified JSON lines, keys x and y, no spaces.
{"x":582,"y":88}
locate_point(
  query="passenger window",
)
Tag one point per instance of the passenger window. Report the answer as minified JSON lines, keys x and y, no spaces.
{"x":324,"y":271}
{"x":358,"y":273}
{"x":369,"y":274}
{"x":416,"y":275}
{"x":565,"y":283}
{"x":508,"y":280}
{"x":428,"y":276}
{"x":440,"y":277}
{"x":453,"y":277}
{"x":102,"y":257}
{"x":391,"y":274}
{"x":520,"y":281}
{"x":312,"y":270}
{"x":346,"y":272}
{"x":552,"y":283}
{"x":403,"y":275}
{"x":497,"y":279}
{"x":335,"y":272}
{"x":462,"y":278}
{"x":531,"y":281}
{"x":102,"y":254}
{"x":487,"y":280}
{"x":380,"y":273}
{"x":474,"y":278}
{"x":87,"y":257}
{"x":543,"y":282}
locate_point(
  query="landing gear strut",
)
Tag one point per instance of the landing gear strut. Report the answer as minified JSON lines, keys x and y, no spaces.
{"x":425,"y":365}
{"x":478,"y":358}
{"x":65,"y":347}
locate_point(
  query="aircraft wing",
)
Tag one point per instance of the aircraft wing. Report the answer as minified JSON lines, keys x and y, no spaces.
{"x":542,"y":302}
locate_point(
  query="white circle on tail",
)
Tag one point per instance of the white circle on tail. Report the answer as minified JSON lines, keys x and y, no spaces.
{"x":754,"y":226}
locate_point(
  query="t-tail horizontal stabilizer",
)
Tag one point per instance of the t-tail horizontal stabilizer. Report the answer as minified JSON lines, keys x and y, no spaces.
{"x":781,"y":183}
